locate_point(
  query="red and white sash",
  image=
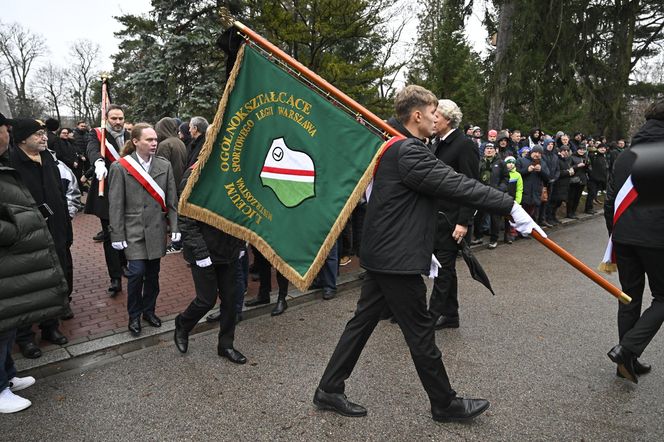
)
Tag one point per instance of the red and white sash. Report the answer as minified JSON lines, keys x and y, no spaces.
{"x":111,"y":154}
{"x":626,"y":196}
{"x":144,"y":178}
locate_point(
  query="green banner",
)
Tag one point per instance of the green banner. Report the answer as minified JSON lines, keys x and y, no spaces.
{"x":282,"y":167}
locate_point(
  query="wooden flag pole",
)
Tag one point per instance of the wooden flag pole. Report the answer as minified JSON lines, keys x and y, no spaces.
{"x":317,"y":80}
{"x":102,"y":143}
{"x":581,"y":267}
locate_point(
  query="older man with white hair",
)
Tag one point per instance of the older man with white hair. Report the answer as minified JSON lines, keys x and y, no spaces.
{"x":460,"y":153}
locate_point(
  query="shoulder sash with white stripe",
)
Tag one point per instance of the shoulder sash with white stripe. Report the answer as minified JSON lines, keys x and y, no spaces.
{"x":144,"y":178}
{"x":111,"y":154}
{"x":626,"y":196}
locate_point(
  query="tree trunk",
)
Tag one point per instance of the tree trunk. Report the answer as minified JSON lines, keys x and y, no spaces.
{"x":501,"y":66}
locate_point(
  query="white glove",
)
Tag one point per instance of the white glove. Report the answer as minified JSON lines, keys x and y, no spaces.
{"x":175,"y":236}
{"x":522,"y":222}
{"x":435,"y":265}
{"x":202,"y":263}
{"x":120,"y":245}
{"x":100,"y":169}
{"x":242,"y":253}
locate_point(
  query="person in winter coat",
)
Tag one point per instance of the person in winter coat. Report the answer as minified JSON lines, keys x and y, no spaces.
{"x":213,"y":256}
{"x":515,"y":190}
{"x":37,"y":168}
{"x":561,"y":188}
{"x":141,"y":211}
{"x":503,"y":146}
{"x":397,"y":249}
{"x":197,"y":127}
{"x":170,"y":146}
{"x":453,"y":219}
{"x":534,"y":138}
{"x":184,"y":135}
{"x":494,"y":173}
{"x":638,"y":244}
{"x":535,"y":174}
{"x":29,"y":268}
{"x":550,"y":157}
{"x":65,"y":150}
{"x":599,"y":173}
{"x":578,"y":181}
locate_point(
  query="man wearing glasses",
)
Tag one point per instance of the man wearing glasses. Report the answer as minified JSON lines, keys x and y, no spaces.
{"x":37,"y":168}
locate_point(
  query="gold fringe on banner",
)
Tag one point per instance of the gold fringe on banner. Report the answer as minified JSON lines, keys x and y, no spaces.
{"x":213,"y":219}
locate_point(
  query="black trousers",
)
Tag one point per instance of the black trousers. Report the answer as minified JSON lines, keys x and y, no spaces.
{"x":636,"y":330}
{"x":444,"y":297}
{"x":592,"y":188}
{"x":112,"y":256}
{"x":573,"y":197}
{"x":264,"y":269}
{"x":405,"y":295}
{"x":210,"y":282}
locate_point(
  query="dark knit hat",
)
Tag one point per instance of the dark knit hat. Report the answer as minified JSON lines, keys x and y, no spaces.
{"x":22,"y":128}
{"x":4,"y":121}
{"x":52,"y":124}
{"x":537,"y":148}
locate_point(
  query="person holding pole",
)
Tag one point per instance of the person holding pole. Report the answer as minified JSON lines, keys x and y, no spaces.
{"x":397,"y":249}
{"x":114,"y":136}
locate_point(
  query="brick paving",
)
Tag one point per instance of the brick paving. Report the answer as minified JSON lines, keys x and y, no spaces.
{"x":96,"y":314}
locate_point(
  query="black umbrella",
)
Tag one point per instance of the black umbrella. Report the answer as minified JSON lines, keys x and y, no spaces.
{"x":474,"y":266}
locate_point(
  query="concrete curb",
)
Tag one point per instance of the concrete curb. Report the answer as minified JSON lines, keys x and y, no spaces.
{"x":84,"y":354}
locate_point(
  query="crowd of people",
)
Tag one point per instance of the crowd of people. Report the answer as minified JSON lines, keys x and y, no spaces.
{"x":133,"y":184}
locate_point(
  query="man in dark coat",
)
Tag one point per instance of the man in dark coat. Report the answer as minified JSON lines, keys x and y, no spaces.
{"x":197,"y":128}
{"x":561,"y":187}
{"x":638,"y":244}
{"x":213,"y":256}
{"x":578,"y":182}
{"x":535,"y":174}
{"x":599,"y":173}
{"x":397,"y":249}
{"x":458,"y":152}
{"x":116,"y":136}
{"x":37,"y":168}
{"x":29,"y":267}
{"x":494,"y":173}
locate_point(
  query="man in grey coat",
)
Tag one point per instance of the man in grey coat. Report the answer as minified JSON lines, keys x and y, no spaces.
{"x":143,"y":204}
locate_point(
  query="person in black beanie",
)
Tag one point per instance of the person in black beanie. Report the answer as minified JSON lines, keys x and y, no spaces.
{"x":52,"y":125}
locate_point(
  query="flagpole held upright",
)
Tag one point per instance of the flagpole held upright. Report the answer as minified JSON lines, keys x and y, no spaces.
{"x":102,"y":143}
{"x":316,"y":79}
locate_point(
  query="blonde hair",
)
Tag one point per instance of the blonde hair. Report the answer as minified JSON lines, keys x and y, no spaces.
{"x":412,"y":98}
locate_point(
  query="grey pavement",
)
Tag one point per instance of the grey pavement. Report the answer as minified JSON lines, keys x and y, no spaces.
{"x":537,"y":351}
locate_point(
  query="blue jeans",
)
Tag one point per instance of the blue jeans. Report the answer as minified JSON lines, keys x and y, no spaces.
{"x":142,"y":286}
{"x":7,"y":367}
{"x":327,"y":276}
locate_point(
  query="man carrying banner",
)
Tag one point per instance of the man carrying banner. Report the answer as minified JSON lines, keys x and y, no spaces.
{"x":397,"y":249}
{"x":142,"y":200}
{"x":97,"y":205}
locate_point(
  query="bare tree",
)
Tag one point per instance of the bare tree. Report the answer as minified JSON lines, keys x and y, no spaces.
{"x":82,"y":73}
{"x":52,"y":83}
{"x":19,"y":48}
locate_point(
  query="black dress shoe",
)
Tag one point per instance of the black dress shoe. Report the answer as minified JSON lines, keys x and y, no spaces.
{"x":99,"y":237}
{"x":460,"y":409}
{"x":181,"y":336}
{"x":280,"y":307}
{"x":152,"y":319}
{"x":257,"y":301}
{"x":54,"y":336}
{"x":329,"y":293}
{"x":447,"y":322}
{"x":213,"y":317}
{"x":338,"y":403}
{"x":30,"y":350}
{"x":232,"y":355}
{"x":115,"y":288}
{"x":135,"y":326}
{"x":625,"y":360}
{"x":639,"y":368}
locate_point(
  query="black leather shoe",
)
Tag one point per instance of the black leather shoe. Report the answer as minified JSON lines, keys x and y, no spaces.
{"x":232,"y":355}
{"x":99,"y":237}
{"x":447,"y":322}
{"x":115,"y":288}
{"x":280,"y":307}
{"x":30,"y":350}
{"x":152,"y":319}
{"x":135,"y":326}
{"x":213,"y":317}
{"x":460,"y":409}
{"x":329,"y":293}
{"x":338,"y":403}
{"x":181,"y":336}
{"x":639,"y":368}
{"x":238,"y":318}
{"x":54,"y":336}
{"x":257,"y":301}
{"x":625,"y":360}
